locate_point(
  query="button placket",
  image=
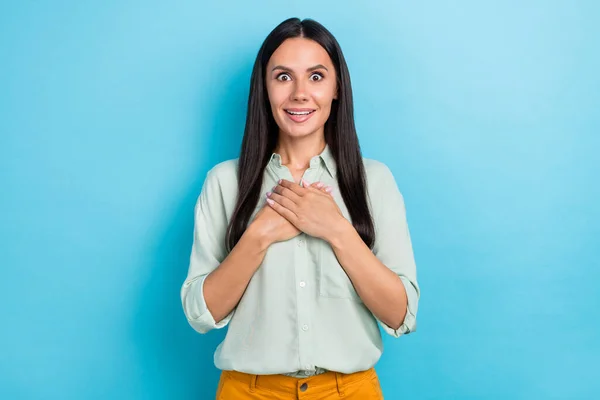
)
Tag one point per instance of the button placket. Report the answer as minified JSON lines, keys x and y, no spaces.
{"x":302,"y":260}
{"x":302,"y":272}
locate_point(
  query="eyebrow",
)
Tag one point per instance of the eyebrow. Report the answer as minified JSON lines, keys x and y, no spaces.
{"x":318,"y":66}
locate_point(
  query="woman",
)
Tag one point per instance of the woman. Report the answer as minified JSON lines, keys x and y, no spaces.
{"x":301,"y":245}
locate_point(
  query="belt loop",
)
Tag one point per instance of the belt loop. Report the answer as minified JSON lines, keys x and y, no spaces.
{"x":253,"y":383}
{"x":338,"y":381}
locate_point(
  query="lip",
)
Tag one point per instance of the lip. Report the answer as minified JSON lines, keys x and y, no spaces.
{"x":299,"y":118}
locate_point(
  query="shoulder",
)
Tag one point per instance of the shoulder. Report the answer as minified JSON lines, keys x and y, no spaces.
{"x":378,"y":173}
{"x":220,"y":181}
{"x":382,"y":186}
{"x":383,"y":190}
{"x":223,"y":171}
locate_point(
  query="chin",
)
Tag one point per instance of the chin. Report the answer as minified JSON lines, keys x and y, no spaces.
{"x":300,"y":132}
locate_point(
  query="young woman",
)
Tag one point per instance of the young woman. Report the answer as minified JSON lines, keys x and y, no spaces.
{"x":301,"y":245}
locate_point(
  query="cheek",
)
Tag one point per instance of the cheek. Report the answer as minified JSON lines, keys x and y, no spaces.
{"x":323,"y":98}
{"x":277,"y":97}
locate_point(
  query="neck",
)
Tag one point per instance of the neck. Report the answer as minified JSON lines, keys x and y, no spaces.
{"x":296,"y":153}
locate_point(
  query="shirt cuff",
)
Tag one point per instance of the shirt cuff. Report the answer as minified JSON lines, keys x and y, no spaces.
{"x":410,"y":320}
{"x":201,"y":318}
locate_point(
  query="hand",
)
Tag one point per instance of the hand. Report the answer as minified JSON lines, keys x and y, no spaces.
{"x":307,"y":208}
{"x":275,"y":228}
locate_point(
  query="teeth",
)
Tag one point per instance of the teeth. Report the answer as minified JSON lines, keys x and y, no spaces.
{"x":299,"y":113}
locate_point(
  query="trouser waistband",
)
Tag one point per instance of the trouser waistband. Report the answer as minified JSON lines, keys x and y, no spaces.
{"x":287,"y":384}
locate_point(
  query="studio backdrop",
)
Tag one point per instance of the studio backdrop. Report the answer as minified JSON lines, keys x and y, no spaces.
{"x":112,"y":112}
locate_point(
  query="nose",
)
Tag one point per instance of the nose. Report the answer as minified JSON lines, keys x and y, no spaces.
{"x":299,"y":92}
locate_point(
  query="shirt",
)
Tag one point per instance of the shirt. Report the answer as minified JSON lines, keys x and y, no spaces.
{"x":300,"y":312}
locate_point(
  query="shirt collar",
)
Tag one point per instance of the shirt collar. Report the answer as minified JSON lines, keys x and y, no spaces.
{"x":325,"y":157}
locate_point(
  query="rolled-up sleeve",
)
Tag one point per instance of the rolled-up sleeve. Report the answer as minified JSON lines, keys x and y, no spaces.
{"x":393,"y":246}
{"x":208,"y":251}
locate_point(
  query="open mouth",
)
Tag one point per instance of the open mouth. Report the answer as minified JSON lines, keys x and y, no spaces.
{"x":307,"y":112}
{"x":299,"y":115}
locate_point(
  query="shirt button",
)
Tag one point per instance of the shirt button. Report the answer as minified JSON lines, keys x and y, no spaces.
{"x":304,"y":327}
{"x":303,"y":387}
{"x":300,"y":242}
{"x":302,"y":284}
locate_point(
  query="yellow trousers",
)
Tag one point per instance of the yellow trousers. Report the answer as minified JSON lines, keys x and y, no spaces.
{"x":362,"y":385}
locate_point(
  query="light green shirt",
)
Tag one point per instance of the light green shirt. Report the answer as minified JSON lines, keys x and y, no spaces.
{"x":300,"y":312}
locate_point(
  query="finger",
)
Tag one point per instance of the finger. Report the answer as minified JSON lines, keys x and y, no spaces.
{"x":289,"y":189}
{"x":305,"y":183}
{"x":286,"y":194}
{"x":316,"y":187}
{"x":321,"y":187}
{"x":281,"y":210}
{"x":327,"y":190}
{"x":282,"y":200}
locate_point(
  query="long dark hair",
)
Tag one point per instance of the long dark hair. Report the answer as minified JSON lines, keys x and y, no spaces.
{"x":261,"y":133}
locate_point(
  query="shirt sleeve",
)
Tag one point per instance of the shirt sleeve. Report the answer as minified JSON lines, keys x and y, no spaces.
{"x":393,"y":245}
{"x":208,"y":251}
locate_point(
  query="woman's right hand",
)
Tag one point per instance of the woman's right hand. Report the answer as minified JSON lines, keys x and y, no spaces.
{"x":273,"y":227}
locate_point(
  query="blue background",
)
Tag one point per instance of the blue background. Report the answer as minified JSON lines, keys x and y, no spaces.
{"x":112,"y":112}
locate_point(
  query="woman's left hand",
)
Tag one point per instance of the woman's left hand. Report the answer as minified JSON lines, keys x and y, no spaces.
{"x":308,"y":209}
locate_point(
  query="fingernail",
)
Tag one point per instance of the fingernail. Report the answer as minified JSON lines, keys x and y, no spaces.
{"x":304,"y":183}
{"x":328,"y":189}
{"x":268,"y":194}
{"x":279,"y":181}
{"x":320,"y":185}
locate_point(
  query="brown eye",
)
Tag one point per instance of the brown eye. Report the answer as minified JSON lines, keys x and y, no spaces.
{"x":318,"y":75}
{"x":282,"y":75}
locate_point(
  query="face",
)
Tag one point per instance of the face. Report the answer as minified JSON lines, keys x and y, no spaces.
{"x":301,"y":84}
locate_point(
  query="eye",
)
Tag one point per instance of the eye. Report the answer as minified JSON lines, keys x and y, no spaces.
{"x":317,"y":74}
{"x":282,"y":75}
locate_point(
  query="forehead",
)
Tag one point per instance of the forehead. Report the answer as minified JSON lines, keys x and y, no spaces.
{"x":300,"y":53}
